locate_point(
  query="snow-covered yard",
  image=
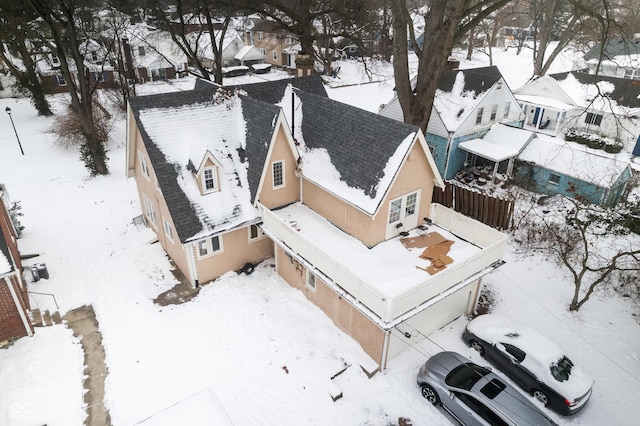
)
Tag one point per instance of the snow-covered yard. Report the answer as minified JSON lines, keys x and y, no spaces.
{"x":255,"y":343}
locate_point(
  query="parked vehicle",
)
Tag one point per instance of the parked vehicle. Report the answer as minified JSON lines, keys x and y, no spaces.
{"x":531,"y":360}
{"x":474,"y":395}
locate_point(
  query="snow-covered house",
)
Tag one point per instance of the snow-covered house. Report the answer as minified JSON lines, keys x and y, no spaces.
{"x":279,"y":47}
{"x":14,"y":301}
{"x":228,"y":178}
{"x":619,"y":58}
{"x":467,"y":104}
{"x":593,"y":104}
{"x":96,"y":63}
{"x":552,"y":166}
{"x":152,"y":55}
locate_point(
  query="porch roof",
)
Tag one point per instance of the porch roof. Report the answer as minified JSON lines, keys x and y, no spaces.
{"x":545,"y":101}
{"x":389,"y":268}
{"x":489,"y":150}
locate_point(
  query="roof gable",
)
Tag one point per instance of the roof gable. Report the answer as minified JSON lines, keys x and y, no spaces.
{"x":584,"y":88}
{"x":180,"y":128}
{"x":348,"y":151}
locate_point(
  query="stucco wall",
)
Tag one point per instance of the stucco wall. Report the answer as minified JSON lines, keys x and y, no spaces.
{"x":270,"y":197}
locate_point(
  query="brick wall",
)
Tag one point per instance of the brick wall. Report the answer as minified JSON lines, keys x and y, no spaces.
{"x":11,"y":325}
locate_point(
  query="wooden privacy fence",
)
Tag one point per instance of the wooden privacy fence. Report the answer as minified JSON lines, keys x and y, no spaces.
{"x":490,"y":210}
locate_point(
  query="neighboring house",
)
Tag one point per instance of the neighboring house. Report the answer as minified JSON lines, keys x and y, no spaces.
{"x":552,"y":166}
{"x":232,"y":44}
{"x":152,"y":55}
{"x":593,"y":104}
{"x":96,"y":63}
{"x":279,"y":47}
{"x":14,"y":301}
{"x":466,"y":105}
{"x":226,"y":179}
{"x":620,"y":58}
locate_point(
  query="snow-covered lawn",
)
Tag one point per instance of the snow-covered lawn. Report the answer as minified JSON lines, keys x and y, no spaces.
{"x":255,"y":343}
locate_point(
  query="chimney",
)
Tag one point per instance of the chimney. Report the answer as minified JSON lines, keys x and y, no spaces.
{"x":127,"y":59}
{"x":452,"y":64}
{"x":304,"y":64}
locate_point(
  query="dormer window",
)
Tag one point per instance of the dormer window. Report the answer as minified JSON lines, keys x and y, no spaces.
{"x":209,"y":180}
{"x":55,"y":61}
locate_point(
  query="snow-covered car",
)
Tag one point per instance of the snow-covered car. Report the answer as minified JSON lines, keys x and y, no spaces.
{"x":474,"y":395}
{"x":531,"y":360}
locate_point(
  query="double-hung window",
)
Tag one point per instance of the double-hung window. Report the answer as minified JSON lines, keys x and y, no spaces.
{"x":255,"y":233}
{"x":168,"y":230}
{"x":209,"y":246}
{"x":150,"y":210}
{"x":311,"y":281}
{"x":479,"y":115}
{"x":494,"y":112}
{"x":143,"y":164}
{"x":507,"y":108}
{"x":209,"y":181}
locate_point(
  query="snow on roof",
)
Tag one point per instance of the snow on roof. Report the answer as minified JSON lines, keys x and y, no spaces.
{"x":593,"y":95}
{"x":219,"y":128}
{"x":541,"y":352}
{"x":574,"y":160}
{"x":249,"y":53}
{"x":500,"y":143}
{"x":545,"y":101}
{"x":389,"y":267}
{"x":455,"y":106}
{"x":318,"y":167}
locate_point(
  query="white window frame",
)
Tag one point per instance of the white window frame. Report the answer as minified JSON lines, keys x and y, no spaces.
{"x":494,"y":112}
{"x":141,"y":51}
{"x":214,"y":179}
{"x":55,"y":61}
{"x":310,"y":281}
{"x":273,"y":174}
{"x":259,"y":234}
{"x":554,"y":179}
{"x":98,"y":76}
{"x":204,"y":248}
{"x":479,"y":116}
{"x":260,"y":36}
{"x":150,"y":211}
{"x":60,"y":79}
{"x":275,"y":55}
{"x":263,"y":51}
{"x":399,"y":208}
{"x":143,"y":164}
{"x":592,"y":118}
{"x":168,"y":230}
{"x":507,"y":109}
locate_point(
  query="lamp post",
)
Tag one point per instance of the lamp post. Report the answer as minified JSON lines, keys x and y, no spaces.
{"x":8,"y":111}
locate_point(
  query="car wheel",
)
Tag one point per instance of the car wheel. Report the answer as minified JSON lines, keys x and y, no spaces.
{"x":430,"y":394}
{"x":477,"y":346}
{"x":541,"y":396}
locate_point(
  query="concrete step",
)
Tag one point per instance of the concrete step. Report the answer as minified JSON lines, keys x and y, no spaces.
{"x":44,"y":318}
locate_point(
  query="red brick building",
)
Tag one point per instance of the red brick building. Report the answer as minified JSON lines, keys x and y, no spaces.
{"x":14,"y":301}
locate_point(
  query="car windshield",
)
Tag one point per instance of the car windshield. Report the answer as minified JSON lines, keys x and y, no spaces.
{"x":465,"y":376}
{"x":561,"y":370}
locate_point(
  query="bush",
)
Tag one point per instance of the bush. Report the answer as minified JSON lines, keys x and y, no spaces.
{"x":612,"y":149}
{"x":596,"y":144}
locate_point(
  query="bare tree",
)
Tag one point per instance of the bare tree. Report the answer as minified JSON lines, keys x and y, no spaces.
{"x":63,"y":29}
{"x":17,"y":32}
{"x":585,"y":240}
{"x":446,"y":22}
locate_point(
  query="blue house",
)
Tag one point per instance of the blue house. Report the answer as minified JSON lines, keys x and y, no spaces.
{"x":467,"y":104}
{"x":552,"y":166}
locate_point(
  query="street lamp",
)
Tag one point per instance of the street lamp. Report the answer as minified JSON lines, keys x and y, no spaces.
{"x":8,"y":111}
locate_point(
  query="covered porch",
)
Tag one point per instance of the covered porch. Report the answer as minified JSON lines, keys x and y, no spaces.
{"x":545,"y":114}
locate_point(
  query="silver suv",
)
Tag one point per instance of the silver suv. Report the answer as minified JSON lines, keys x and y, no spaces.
{"x":474,"y":395}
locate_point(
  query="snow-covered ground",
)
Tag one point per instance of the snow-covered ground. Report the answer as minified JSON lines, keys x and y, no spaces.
{"x":250,"y":342}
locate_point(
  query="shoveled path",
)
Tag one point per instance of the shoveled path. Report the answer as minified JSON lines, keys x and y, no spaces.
{"x":83,"y":322}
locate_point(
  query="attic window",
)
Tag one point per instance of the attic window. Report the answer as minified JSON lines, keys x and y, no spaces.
{"x":499,"y":85}
{"x":209,"y":180}
{"x":460,"y":112}
{"x":479,"y":116}
{"x":277,"y":168}
{"x":141,"y":50}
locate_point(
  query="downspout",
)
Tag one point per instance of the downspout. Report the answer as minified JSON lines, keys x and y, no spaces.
{"x":14,"y":296}
{"x":193,"y":271}
{"x":385,"y":350}
{"x":448,"y":153}
{"x":293,"y":115}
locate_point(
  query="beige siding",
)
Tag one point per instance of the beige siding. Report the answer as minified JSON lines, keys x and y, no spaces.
{"x":281,"y":151}
{"x":415,"y":175}
{"x":237,"y":250}
{"x":344,"y":315}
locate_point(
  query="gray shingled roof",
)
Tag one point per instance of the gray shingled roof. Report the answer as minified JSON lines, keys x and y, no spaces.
{"x":273,"y":91}
{"x":259,"y":119}
{"x":360,"y":143}
{"x":477,"y":80}
{"x":626,"y":92}
{"x":614,"y":47}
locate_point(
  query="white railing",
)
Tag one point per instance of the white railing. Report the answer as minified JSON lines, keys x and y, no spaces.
{"x":491,"y":241}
